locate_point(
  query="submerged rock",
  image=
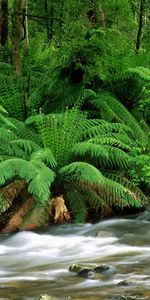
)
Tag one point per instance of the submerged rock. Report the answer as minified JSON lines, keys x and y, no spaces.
{"x":126,"y":283}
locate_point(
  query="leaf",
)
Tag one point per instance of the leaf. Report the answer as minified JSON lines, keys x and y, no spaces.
{"x":83,"y":172}
{"x":40,"y":185}
{"x":46,"y":156}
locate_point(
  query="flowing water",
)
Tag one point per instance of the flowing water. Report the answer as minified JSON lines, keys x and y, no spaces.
{"x":37,"y":263}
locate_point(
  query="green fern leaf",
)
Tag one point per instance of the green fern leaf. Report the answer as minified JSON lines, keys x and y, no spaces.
{"x":40,"y":185}
{"x":83,"y":172}
{"x":46,"y":156}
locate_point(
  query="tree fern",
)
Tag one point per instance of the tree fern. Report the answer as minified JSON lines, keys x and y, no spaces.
{"x":73,"y":155}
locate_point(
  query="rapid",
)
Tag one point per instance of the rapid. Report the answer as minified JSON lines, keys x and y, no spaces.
{"x":37,"y":263}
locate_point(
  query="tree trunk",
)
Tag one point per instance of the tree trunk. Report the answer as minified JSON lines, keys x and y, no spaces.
{"x":3,"y":22}
{"x":17,"y":22}
{"x":48,"y":22}
{"x":140,"y":27}
{"x":103,"y":17}
{"x":25,"y":25}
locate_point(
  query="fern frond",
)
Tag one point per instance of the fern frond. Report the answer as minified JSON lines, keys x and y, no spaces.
{"x":11,"y":96}
{"x":138,"y":72}
{"x":7,"y":134}
{"x":40,"y":185}
{"x":101,"y":155}
{"x":35,"y":173}
{"x":117,"y":195}
{"x":77,"y":204}
{"x":130,"y":186}
{"x":26,"y":145}
{"x":110,"y":141}
{"x":3,"y":119}
{"x":10,"y":169}
{"x":83,"y":172}
{"x":113,"y":109}
{"x":9,"y":148}
{"x":25,"y":132}
{"x":105,"y":128}
{"x":46,"y":156}
{"x":93,"y":198}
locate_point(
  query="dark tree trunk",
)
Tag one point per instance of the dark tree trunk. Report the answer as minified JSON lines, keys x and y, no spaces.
{"x":49,"y":22}
{"x":61,"y":22}
{"x":16,"y":34}
{"x":140,"y":27}
{"x":3,"y":22}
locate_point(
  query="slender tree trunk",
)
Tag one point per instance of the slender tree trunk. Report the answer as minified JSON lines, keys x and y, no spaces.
{"x":3,"y":22}
{"x":103,"y":17}
{"x":140,"y":27}
{"x":47,"y":22}
{"x":16,"y":36}
{"x":26,"y":31}
{"x":61,"y":22}
{"x":26,"y":48}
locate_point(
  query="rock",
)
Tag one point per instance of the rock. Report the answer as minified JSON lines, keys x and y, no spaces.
{"x":84,"y":273}
{"x":101,"y":268}
{"x":128,"y":298}
{"x":89,"y":271}
{"x":125,"y":283}
{"x":44,"y":297}
{"x":79,"y":269}
{"x":134,"y":297}
{"x":47,"y":297}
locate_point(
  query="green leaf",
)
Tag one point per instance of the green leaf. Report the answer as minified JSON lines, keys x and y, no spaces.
{"x":41,"y":183}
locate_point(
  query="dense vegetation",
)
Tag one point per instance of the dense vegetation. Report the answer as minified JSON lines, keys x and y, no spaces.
{"x":74,"y":110}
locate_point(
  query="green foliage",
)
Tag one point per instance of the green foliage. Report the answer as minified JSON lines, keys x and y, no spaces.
{"x":112,"y":110}
{"x":11,"y":93}
{"x":74,"y":150}
{"x":140,"y":168}
{"x":91,"y":64}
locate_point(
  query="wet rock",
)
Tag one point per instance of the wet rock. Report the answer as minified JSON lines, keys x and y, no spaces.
{"x":44,"y":297}
{"x":79,"y":268}
{"x":128,"y":298}
{"x":134,"y":297}
{"x":89,"y":271}
{"x":101,"y":268}
{"x":125,"y":283}
{"x":84,"y":272}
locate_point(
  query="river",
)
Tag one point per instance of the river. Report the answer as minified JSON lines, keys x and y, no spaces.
{"x":37,"y":263}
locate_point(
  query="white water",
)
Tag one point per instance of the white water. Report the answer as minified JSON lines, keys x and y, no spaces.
{"x":33,"y":263}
